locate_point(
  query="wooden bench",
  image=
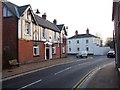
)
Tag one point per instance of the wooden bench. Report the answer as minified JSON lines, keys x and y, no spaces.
{"x":13,"y":62}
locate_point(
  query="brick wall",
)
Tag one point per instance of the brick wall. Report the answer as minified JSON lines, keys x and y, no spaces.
{"x":26,"y":51}
{"x":9,"y":39}
{"x":0,"y":35}
{"x":57,"y":55}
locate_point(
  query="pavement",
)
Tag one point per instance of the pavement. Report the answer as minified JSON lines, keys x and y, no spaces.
{"x":106,"y":77}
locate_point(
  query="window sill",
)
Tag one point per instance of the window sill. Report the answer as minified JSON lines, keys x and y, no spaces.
{"x":54,"y":53}
{"x":36,"y":55}
{"x":27,"y":34}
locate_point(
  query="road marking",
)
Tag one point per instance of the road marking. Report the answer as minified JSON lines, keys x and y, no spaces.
{"x":32,"y":71}
{"x":89,"y":75}
{"x":30,"y":84}
{"x":62,"y":70}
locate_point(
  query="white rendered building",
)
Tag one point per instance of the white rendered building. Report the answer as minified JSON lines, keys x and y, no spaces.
{"x":85,"y":42}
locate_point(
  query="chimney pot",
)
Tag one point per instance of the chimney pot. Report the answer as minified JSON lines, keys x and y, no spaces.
{"x":55,"y":21}
{"x":76,"y":32}
{"x":87,"y":31}
{"x":44,"y":16}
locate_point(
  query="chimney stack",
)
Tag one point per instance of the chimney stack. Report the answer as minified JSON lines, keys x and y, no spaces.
{"x":44,"y":16}
{"x":55,"y":21}
{"x":87,"y":31}
{"x":76,"y":33}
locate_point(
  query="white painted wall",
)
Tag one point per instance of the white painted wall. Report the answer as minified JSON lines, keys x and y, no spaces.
{"x":93,"y":45}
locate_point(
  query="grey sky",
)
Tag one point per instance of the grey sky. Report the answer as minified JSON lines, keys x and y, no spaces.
{"x":77,"y":14}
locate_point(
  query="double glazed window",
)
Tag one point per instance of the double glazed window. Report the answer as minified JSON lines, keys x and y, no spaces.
{"x":43,"y":34}
{"x":54,"y":50}
{"x":36,"y":50}
{"x":6,"y":12}
{"x":27,"y":28}
{"x":63,"y":49}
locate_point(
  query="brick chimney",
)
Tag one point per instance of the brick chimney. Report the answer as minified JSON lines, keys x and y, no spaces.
{"x":44,"y":16}
{"x":87,"y":31}
{"x":55,"y":21}
{"x":76,"y":33}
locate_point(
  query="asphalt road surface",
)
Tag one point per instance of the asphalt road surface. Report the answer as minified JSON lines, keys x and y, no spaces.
{"x":61,"y":76}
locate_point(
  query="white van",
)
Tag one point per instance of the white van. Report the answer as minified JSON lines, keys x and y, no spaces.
{"x":82,"y":54}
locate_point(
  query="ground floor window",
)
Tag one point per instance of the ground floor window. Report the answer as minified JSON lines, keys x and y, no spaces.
{"x":36,"y":50}
{"x":69,"y":49}
{"x":63,"y":49}
{"x":54,"y":50}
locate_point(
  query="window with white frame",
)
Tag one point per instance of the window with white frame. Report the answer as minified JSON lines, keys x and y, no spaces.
{"x":6,"y":12}
{"x":55,"y":36}
{"x":77,"y":41}
{"x":69,"y":42}
{"x":27,"y":28}
{"x":43,"y":34}
{"x":54,"y":50}
{"x":63,"y":49}
{"x":36,"y":50}
{"x":69,"y":49}
{"x":87,"y":41}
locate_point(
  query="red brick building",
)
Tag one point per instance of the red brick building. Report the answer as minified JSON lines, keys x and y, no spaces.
{"x":28,"y":37}
{"x":116,"y":19}
{"x":0,"y":35}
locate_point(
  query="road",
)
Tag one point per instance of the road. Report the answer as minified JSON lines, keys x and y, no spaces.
{"x":61,"y":76}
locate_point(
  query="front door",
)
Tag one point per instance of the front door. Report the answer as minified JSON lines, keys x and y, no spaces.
{"x":47,"y":53}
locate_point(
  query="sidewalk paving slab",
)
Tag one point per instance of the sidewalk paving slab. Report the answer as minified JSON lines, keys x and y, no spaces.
{"x":106,"y":77}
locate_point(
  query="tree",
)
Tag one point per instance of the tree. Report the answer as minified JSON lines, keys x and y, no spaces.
{"x":109,"y":43}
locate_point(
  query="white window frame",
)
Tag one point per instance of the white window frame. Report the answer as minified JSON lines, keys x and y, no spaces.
{"x":54,"y":50}
{"x":37,"y":50}
{"x":27,"y":28}
{"x":63,"y":49}
{"x":6,"y":12}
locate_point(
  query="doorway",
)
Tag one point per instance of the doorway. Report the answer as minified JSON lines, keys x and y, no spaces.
{"x":47,"y":53}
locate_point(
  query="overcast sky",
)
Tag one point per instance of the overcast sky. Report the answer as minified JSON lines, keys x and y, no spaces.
{"x":77,"y":14}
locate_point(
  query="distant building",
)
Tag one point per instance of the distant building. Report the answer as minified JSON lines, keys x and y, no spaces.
{"x":85,"y":42}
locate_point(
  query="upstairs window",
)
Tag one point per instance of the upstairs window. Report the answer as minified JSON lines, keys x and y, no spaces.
{"x":6,"y":12}
{"x":78,"y":49}
{"x":77,"y":41}
{"x":43,"y":34}
{"x":87,"y":41}
{"x":69,"y":42}
{"x":55,"y":36}
{"x":27,"y":28}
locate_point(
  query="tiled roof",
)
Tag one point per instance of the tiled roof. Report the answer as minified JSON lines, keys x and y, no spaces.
{"x":12,"y":7}
{"x":61,"y":26}
{"x":41,"y":21}
{"x":83,"y":36}
{"x":46,"y":23}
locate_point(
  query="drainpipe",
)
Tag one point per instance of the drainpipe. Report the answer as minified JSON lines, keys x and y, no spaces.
{"x":17,"y":43}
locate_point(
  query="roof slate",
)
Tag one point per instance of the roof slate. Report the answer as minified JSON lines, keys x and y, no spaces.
{"x":82,"y":36}
{"x":46,"y":23}
{"x":61,"y":26}
{"x":41,"y":21}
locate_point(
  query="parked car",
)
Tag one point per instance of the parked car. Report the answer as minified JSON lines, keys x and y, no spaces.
{"x":82,"y":54}
{"x":111,"y":54}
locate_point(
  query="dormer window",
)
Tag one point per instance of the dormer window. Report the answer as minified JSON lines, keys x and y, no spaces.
{"x":6,"y":12}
